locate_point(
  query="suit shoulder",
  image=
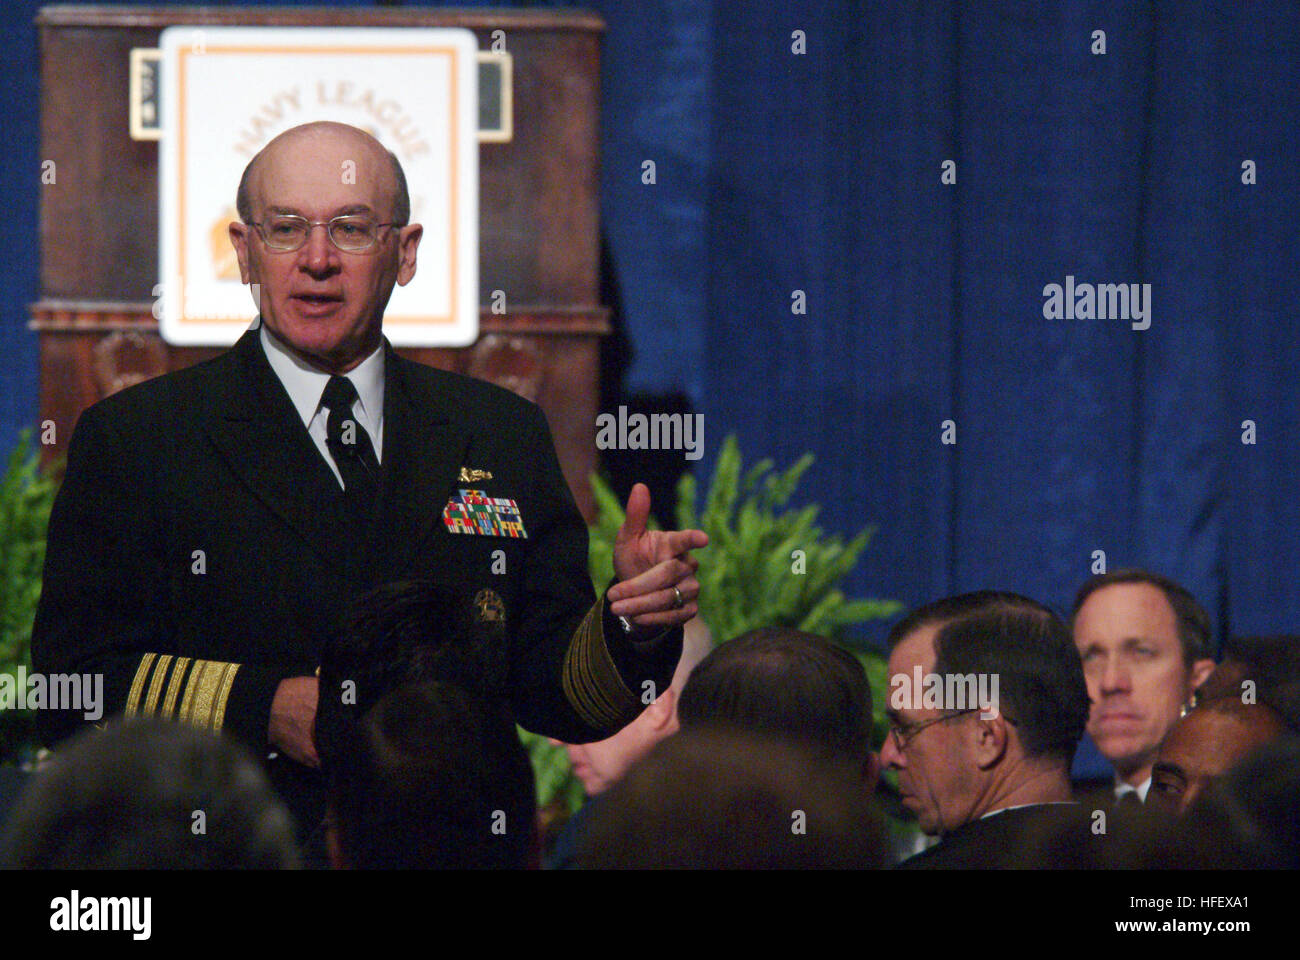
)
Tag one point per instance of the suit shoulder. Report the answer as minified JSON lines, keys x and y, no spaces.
{"x":469,"y":394}
{"x":163,"y":397}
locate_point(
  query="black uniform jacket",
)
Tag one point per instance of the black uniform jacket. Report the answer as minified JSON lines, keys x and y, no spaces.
{"x":1018,"y":838}
{"x":199,"y":551}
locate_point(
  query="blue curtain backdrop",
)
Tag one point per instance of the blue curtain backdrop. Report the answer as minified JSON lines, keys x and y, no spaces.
{"x":820,"y":172}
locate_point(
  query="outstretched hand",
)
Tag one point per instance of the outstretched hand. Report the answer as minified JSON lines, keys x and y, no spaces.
{"x":656,"y":585}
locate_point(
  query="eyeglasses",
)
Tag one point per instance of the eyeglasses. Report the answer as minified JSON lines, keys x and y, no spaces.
{"x":905,"y":733}
{"x":351,"y":233}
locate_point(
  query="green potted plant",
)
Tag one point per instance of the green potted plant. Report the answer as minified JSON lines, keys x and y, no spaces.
{"x":26,"y":496}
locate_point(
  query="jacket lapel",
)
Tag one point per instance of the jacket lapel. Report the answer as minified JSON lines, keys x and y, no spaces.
{"x":423,"y":453}
{"x":262,"y":437}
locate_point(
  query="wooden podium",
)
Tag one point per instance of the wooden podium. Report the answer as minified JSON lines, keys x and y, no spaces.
{"x":539,"y":219}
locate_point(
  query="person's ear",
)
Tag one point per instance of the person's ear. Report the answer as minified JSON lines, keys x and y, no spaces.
{"x":1201,"y":671}
{"x":239,"y":239}
{"x":408,"y":239}
{"x":990,"y":740}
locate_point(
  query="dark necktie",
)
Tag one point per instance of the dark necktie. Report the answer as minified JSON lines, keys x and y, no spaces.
{"x":350,"y":446}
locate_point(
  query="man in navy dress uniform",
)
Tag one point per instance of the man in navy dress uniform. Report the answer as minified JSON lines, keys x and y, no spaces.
{"x":214,"y":523}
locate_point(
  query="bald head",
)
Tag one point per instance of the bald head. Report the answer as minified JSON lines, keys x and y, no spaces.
{"x":322,"y":299}
{"x":367,"y":153}
{"x":1206,"y":743}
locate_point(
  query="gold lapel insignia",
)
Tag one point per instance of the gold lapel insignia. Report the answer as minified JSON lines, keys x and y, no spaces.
{"x":491,"y":608}
{"x":473,"y":476}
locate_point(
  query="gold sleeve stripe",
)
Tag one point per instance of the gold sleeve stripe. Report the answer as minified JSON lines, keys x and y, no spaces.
{"x":591,"y":682}
{"x":174,"y":688}
{"x":137,"y":685}
{"x":202,"y":715}
{"x":223,"y":694}
{"x":578,"y":689}
{"x":191,"y":685}
{"x":206,"y":693}
{"x":156,"y":685}
{"x":206,"y":684}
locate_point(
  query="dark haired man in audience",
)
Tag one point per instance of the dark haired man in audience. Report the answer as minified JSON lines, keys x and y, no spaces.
{"x":406,"y":632}
{"x":1204,"y":744}
{"x":1145,"y":644}
{"x":435,"y":778}
{"x":724,"y":799}
{"x":149,"y":795}
{"x":980,"y":775}
{"x":781,"y":682}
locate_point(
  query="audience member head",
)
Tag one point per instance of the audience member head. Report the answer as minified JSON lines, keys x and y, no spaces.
{"x":435,"y":779}
{"x":1145,"y":644}
{"x":725,"y":799}
{"x":401,"y":633}
{"x":143,"y":794}
{"x":782,"y":682}
{"x":959,"y":752}
{"x":598,"y":765}
{"x":1204,"y":744}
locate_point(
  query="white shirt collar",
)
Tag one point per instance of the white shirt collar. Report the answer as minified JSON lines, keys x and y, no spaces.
{"x":305,"y":383}
{"x":1123,"y":786}
{"x":1018,"y":806}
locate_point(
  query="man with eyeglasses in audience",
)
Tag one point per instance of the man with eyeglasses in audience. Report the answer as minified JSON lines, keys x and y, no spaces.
{"x":979,"y":775}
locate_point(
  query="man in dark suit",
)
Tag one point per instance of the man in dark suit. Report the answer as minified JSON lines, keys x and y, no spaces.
{"x":982,"y":771}
{"x":1146,"y":646}
{"x":213,"y":523}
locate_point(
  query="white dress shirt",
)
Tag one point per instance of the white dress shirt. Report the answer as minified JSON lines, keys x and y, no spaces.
{"x":1123,"y":786}
{"x":305,"y":384}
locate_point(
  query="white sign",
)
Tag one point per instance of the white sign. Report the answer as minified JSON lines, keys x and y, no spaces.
{"x":227,"y":91}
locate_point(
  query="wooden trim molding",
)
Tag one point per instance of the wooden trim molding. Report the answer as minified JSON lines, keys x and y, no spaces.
{"x":82,"y":316}
{"x":87,"y":15}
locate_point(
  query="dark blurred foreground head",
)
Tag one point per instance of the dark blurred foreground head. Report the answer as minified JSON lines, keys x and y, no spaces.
{"x":405,"y":632}
{"x":1251,"y":817}
{"x":785,"y":683}
{"x":149,"y":795}
{"x":723,"y":799}
{"x":435,"y":778}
